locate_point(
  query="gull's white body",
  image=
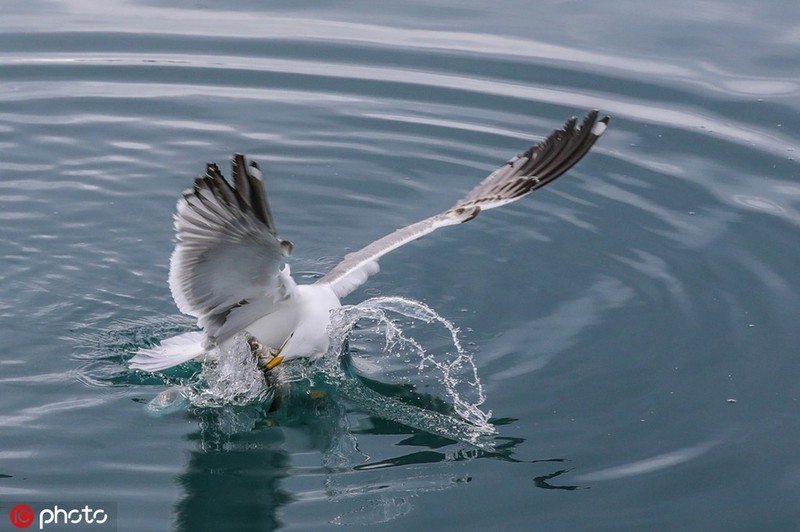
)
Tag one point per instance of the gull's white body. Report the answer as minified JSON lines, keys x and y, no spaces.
{"x":303,"y":321}
{"x":228,"y":268}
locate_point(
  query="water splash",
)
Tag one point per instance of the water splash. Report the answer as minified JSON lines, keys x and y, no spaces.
{"x":231,"y":380}
{"x":228,"y":396}
{"x":389,"y":357}
{"x":452,"y":368}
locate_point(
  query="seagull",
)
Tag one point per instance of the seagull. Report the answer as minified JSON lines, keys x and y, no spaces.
{"x":229,"y":269}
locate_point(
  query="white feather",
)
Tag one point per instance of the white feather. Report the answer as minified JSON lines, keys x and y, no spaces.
{"x":172,"y":351}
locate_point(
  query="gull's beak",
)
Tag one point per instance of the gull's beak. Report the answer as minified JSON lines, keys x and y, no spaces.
{"x":277,"y":359}
{"x":274,"y":362}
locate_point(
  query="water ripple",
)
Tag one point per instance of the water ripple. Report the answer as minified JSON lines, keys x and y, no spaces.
{"x":660,"y":271}
{"x":651,"y":464}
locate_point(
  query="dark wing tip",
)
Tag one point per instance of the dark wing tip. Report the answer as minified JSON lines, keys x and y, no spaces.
{"x":212,"y":170}
{"x":540,"y":164}
{"x":245,"y":193}
{"x":248,"y":182}
{"x":574,"y":144}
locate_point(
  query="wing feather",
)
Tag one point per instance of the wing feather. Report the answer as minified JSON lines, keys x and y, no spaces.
{"x":528,"y":171}
{"x":227,"y":264}
{"x":356,"y":267}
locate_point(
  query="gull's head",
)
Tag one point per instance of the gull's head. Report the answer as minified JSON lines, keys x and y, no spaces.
{"x":309,"y":339}
{"x":299,"y":344}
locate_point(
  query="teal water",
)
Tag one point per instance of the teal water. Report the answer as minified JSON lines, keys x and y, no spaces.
{"x":633,"y":326}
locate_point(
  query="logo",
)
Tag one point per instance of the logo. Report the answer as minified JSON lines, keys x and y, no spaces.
{"x":22,"y":516}
{"x":101,"y":516}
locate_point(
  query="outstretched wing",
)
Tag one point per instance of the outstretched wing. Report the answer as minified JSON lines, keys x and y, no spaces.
{"x":536,"y":167}
{"x":226,"y":266}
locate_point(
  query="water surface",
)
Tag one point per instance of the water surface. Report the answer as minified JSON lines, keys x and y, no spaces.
{"x":633,"y":325}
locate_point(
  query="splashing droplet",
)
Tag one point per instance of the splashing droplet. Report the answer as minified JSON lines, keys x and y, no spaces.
{"x":232,"y":379}
{"x":454,"y":369}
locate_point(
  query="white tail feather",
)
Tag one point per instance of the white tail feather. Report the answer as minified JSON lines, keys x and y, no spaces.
{"x":172,"y":351}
